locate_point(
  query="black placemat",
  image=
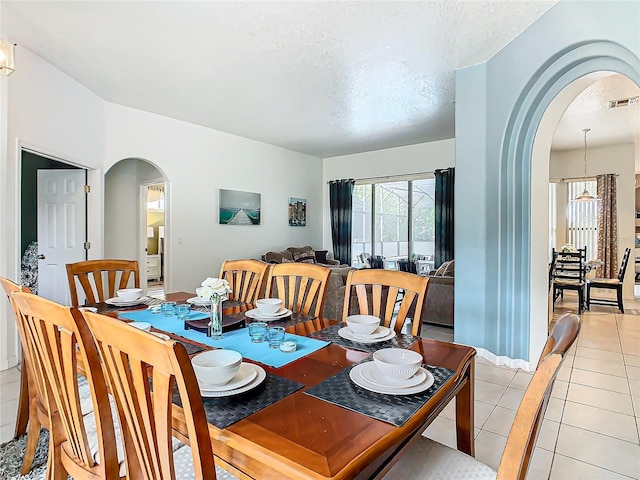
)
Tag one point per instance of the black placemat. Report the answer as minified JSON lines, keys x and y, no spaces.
{"x":393,"y":409}
{"x":190,"y":347}
{"x":225,"y":411}
{"x":330,"y":334}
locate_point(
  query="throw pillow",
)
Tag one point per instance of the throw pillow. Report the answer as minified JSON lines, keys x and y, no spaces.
{"x":306,"y":257}
{"x":286,"y":260}
{"x":321,"y":256}
{"x":277,"y":257}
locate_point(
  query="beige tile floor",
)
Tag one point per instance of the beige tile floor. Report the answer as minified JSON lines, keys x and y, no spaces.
{"x":591,"y":426}
{"x":592,"y":422}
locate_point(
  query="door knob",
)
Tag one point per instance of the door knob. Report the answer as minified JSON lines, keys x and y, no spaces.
{"x":41,"y":257}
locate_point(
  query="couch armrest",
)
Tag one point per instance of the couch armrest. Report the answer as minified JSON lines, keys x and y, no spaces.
{"x":440,"y":301}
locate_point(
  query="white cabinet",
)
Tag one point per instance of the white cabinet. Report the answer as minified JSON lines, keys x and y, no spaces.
{"x":153,"y":267}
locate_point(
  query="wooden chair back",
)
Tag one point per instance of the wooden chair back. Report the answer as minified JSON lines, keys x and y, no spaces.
{"x":623,"y":265}
{"x":526,"y":425}
{"x":570,"y":266}
{"x":90,"y":274}
{"x":28,"y":397}
{"x":379,"y":291}
{"x":59,"y":339}
{"x":246,"y":278}
{"x":142,"y":370}
{"x":302,"y":287}
{"x":563,"y":334}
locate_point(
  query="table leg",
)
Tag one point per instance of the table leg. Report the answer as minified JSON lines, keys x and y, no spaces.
{"x":464,"y":413}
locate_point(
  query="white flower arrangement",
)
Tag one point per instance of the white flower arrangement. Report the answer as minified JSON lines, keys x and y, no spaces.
{"x":213,"y":289}
{"x":568,"y":247}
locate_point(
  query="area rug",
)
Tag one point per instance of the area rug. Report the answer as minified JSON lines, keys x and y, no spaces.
{"x":11,"y":454}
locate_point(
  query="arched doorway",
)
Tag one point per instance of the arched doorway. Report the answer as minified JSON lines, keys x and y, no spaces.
{"x":525,"y":162}
{"x":132,"y":225}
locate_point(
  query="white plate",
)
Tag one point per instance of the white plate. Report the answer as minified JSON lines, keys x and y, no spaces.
{"x":377,"y":333}
{"x":161,"y":335}
{"x":356,"y":377}
{"x":88,"y":309}
{"x":116,"y":302}
{"x":243,"y":376}
{"x":256,"y":315}
{"x":201,"y":302}
{"x":146,"y":326}
{"x":372,"y":375}
{"x":260,"y":376}
{"x":346,"y":333}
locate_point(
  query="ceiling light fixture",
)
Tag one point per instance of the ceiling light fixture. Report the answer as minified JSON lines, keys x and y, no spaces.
{"x":585,"y":196}
{"x":6,"y":58}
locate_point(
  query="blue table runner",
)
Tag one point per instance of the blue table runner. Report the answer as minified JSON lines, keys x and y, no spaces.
{"x":235,"y":340}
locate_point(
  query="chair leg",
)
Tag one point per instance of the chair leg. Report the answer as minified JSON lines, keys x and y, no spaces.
{"x":620,"y":305}
{"x":588,"y":297}
{"x":580,"y":301}
{"x":33,"y":434}
{"x":23,"y":403}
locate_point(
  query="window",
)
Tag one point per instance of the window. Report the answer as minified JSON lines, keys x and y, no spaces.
{"x":394,"y":219}
{"x":582,"y":219}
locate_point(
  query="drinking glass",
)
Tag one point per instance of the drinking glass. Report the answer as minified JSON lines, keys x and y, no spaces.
{"x":168,"y":308}
{"x":275,"y":335}
{"x":183,"y":310}
{"x":258,"y":332}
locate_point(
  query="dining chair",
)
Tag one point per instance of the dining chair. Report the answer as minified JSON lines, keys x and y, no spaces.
{"x":81,"y":444}
{"x":569,"y":273}
{"x":90,"y":275}
{"x":609,"y":284}
{"x":391,"y":295}
{"x":31,"y":412}
{"x":302,"y":287}
{"x":246,"y":278}
{"x":426,"y":459}
{"x":144,"y":371}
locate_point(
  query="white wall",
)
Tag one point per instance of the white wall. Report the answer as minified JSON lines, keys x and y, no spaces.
{"x":51,"y":113}
{"x":410,"y":159}
{"x":618,"y":159}
{"x":196,"y":163}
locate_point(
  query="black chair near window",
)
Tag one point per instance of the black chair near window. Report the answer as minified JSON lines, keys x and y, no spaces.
{"x":569,"y":272}
{"x":610,"y":284}
{"x":376,"y":261}
{"x":407,"y":266}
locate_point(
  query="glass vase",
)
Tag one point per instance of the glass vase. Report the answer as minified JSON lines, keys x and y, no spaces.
{"x":215,"y":324}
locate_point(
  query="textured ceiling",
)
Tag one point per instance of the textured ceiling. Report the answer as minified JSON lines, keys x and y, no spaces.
{"x":590,"y":109}
{"x":325,"y":78}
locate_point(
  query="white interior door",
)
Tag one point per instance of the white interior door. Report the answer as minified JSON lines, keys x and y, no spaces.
{"x":61,"y":229}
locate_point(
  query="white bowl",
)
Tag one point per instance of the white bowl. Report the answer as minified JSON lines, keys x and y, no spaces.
{"x":268,"y":305}
{"x":216,"y":367}
{"x":397,"y":363}
{"x":362,"y":324}
{"x":146,"y":326}
{"x":129,"y":294}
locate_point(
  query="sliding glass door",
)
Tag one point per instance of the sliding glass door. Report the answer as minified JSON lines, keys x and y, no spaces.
{"x":394,"y":219}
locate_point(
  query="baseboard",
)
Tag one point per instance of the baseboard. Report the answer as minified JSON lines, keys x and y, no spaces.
{"x":506,"y":361}
{"x":7,"y":363}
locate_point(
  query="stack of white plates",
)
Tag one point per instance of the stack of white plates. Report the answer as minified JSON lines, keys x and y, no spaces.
{"x":248,"y":377}
{"x":380,"y":334}
{"x":118,"y":302}
{"x":266,"y":317}
{"x":367,"y":376}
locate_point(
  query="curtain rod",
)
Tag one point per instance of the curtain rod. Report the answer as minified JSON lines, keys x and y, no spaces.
{"x":390,"y":177}
{"x":592,"y":177}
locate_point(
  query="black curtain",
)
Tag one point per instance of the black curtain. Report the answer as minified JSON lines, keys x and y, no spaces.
{"x":340,"y":203}
{"x":445,"y":180}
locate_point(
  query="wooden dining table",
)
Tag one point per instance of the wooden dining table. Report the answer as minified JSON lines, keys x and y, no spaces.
{"x":304,"y":437}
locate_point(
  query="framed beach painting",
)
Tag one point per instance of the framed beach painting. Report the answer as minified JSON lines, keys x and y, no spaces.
{"x":239,"y":208}
{"x":297,"y":212}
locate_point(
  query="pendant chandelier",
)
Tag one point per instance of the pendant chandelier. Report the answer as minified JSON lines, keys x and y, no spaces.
{"x":585,"y":196}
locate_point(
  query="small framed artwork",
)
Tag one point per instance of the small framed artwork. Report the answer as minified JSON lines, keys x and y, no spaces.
{"x":239,"y":208}
{"x":297,"y":212}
